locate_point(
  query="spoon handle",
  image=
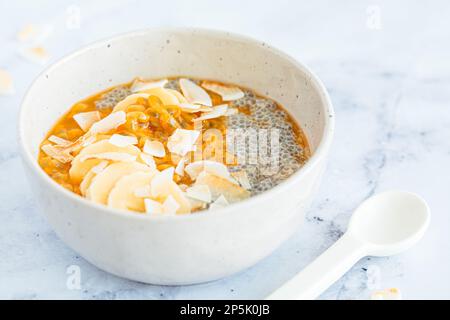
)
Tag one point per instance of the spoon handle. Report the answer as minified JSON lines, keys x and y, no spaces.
{"x":323,"y":272}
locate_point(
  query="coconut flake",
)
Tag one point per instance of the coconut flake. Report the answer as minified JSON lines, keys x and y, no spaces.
{"x":199,"y":192}
{"x":170,"y":205}
{"x":140,"y":85}
{"x":35,"y":54}
{"x":6,"y":83}
{"x":88,"y":140}
{"x":179,"y":169}
{"x":153,"y":207}
{"x":129,"y":100}
{"x":86,"y":119}
{"x":231,"y":111}
{"x":228,"y":93}
{"x":180,"y":97}
{"x":217,"y":111}
{"x":57,"y":153}
{"x":190,"y":107}
{"x":213,"y":167}
{"x":148,"y":160}
{"x":108,"y":123}
{"x":164,"y":95}
{"x":160,"y":180}
{"x":143,"y":192}
{"x":58,"y":141}
{"x":193,"y":108}
{"x":221,"y":186}
{"x":194,"y":93}
{"x":162,"y":185}
{"x":122,"y":141}
{"x":154,"y":148}
{"x":182,"y":141}
{"x":219,"y":203}
{"x":242,"y":179}
{"x":113,"y":156}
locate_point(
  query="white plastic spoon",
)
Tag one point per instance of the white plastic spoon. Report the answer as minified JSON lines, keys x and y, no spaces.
{"x":383,"y":225}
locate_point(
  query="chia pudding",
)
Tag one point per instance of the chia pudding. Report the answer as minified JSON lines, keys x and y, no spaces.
{"x":139,"y":146}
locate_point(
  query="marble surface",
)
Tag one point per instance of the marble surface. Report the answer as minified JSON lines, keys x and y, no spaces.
{"x":386,"y":66}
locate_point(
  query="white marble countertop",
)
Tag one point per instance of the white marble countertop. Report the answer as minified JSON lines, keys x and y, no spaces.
{"x":387,"y":68}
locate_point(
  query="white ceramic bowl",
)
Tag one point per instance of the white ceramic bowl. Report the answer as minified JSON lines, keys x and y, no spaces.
{"x":177,"y":249}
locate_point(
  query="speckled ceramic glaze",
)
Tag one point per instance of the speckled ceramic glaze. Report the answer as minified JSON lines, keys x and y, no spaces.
{"x":177,"y":249}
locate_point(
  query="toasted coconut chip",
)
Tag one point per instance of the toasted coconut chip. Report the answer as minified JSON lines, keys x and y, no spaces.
{"x":170,"y":205}
{"x":58,"y":141}
{"x":160,"y":180}
{"x":180,"y":97}
{"x":6,"y":83}
{"x":57,"y":153}
{"x":242,"y":179}
{"x":220,"y":186}
{"x":199,"y":192}
{"x":72,"y":146}
{"x":193,"y":108}
{"x":35,"y":54}
{"x":206,"y":108}
{"x":143,"y":192}
{"x":194,"y":93}
{"x":122,"y":141}
{"x":197,"y":204}
{"x":140,"y":85}
{"x":228,"y":93}
{"x":220,"y":202}
{"x":190,"y":107}
{"x":84,"y":185}
{"x":153,"y":207}
{"x":113,"y":156}
{"x":154,"y":148}
{"x":129,"y":100}
{"x":182,"y":141}
{"x":148,"y":160}
{"x":180,"y":198}
{"x":217,"y":168}
{"x":83,"y":141}
{"x":231,"y":111}
{"x":218,"y":111}
{"x":86,"y":119}
{"x":179,"y":169}
{"x":88,"y":140}
{"x":165,"y":95}
{"x":108,"y":123}
{"x":163,"y":185}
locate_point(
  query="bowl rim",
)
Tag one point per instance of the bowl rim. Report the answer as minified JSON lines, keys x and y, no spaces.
{"x":317,"y":155}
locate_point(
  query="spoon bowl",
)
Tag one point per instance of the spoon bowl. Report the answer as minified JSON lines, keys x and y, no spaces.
{"x":383,"y":225}
{"x":390,"y":222}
